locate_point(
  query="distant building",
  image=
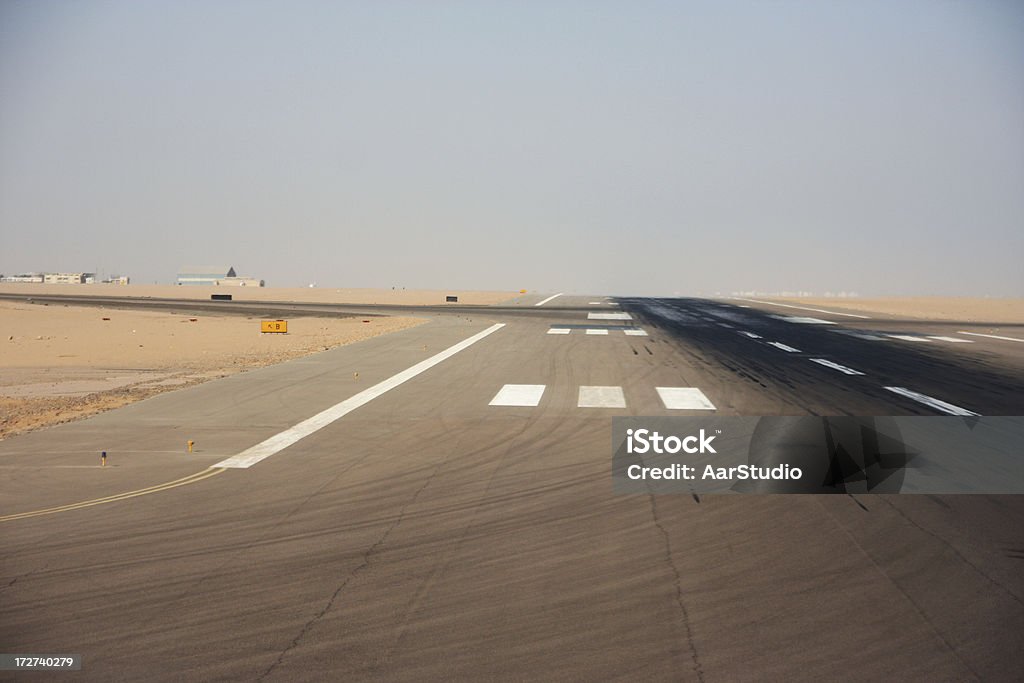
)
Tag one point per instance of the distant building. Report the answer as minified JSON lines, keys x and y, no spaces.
{"x":215,"y":276}
{"x":116,"y":280}
{"x":23,"y":277}
{"x":65,"y":278}
{"x":204,"y":275}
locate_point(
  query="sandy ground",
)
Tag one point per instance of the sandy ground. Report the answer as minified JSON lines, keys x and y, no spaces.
{"x":297,"y":294}
{"x":963,"y":309}
{"x":60,"y":363}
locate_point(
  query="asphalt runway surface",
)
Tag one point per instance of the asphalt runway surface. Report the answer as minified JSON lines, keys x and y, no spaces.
{"x":453,"y":518}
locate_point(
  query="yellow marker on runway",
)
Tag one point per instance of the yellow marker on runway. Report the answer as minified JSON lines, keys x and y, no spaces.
{"x":190,"y":444}
{"x":280,"y":326}
{"x":103,"y":459}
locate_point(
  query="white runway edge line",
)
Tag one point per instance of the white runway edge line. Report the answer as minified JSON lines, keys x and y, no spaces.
{"x":992,"y":336}
{"x":279,"y":442}
{"x":932,"y":402}
{"x":804,"y":321}
{"x":835,"y":366}
{"x":541,"y":303}
{"x":953,"y":340}
{"x":804,"y":308}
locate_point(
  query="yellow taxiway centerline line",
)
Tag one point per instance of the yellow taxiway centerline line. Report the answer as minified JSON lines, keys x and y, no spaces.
{"x":191,"y":479}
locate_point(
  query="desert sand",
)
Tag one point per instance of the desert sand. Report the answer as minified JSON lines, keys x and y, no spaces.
{"x":962,"y":309}
{"x":296,"y":294}
{"x":60,"y":363}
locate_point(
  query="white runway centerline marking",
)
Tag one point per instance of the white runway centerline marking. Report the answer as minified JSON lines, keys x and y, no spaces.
{"x":992,"y":336}
{"x":559,"y":330}
{"x":601,"y":397}
{"x":835,"y":366}
{"x":932,"y":402}
{"x":804,"y":308}
{"x":636,"y":333}
{"x":528,"y":395}
{"x":684,"y":398}
{"x":596,"y":331}
{"x":609,"y":316}
{"x":784,"y":347}
{"x":953,"y":340}
{"x":282,"y":440}
{"x":804,"y":321}
{"x":554,"y":296}
{"x":751,"y":335}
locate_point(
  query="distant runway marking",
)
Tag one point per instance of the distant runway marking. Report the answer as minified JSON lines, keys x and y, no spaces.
{"x":184,"y":481}
{"x":595,"y":331}
{"x":804,"y":308}
{"x":559,"y":330}
{"x":519,"y":395}
{"x":860,"y":335}
{"x":784,"y":347}
{"x":684,"y":398}
{"x":953,"y":340}
{"x":279,"y":442}
{"x":908,"y":337}
{"x":609,"y":316}
{"x":636,"y":333}
{"x":835,"y":366}
{"x":932,"y":402}
{"x":804,"y":321}
{"x":601,"y":397}
{"x":596,"y":303}
{"x":751,"y":335}
{"x":541,"y":303}
{"x":992,"y":336}
{"x":727,"y":326}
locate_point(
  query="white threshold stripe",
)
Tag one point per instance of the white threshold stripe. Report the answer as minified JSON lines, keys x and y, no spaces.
{"x":282,"y":440}
{"x":684,"y":398}
{"x":541,"y":303}
{"x":953,"y":340}
{"x":636,"y":333}
{"x":559,"y":330}
{"x":609,"y":316}
{"x":528,"y":395}
{"x":595,"y":331}
{"x":992,"y":336}
{"x":835,"y":366}
{"x":805,"y":308}
{"x":601,"y":397}
{"x":784,"y":347}
{"x":932,"y":402}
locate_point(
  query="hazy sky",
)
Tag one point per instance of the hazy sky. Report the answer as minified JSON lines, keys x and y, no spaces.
{"x":625,"y":148}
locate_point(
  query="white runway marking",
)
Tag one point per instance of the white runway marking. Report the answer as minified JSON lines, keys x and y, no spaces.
{"x":282,"y":440}
{"x":932,"y":402}
{"x":601,"y":397}
{"x":559,"y":330}
{"x":684,"y":398}
{"x":804,"y":321}
{"x":751,"y":335}
{"x":992,"y":336}
{"x":860,"y":335}
{"x":609,"y":316}
{"x":597,"y":331}
{"x":519,"y":395}
{"x":787,"y":349}
{"x":636,"y":333}
{"x":596,"y":303}
{"x":953,"y":340}
{"x":908,"y":337}
{"x":836,"y":366}
{"x":541,"y":303}
{"x":804,"y":308}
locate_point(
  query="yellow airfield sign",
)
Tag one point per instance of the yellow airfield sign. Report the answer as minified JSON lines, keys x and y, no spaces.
{"x":274,"y":326}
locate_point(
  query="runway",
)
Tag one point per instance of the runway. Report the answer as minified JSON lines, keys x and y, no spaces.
{"x":460,"y":523}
